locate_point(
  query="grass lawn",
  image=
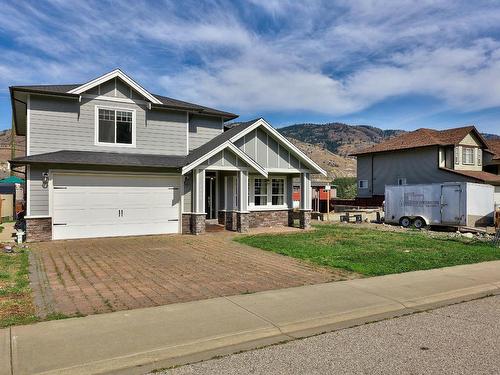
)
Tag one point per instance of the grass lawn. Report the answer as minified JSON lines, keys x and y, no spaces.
{"x":16,"y":305}
{"x":374,"y":252}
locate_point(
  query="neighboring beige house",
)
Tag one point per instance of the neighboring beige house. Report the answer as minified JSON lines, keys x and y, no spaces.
{"x":428,"y":156}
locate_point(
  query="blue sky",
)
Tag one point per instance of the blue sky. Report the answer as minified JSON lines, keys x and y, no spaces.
{"x":391,"y":64}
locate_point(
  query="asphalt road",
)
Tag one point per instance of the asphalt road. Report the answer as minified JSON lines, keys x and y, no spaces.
{"x":458,"y":339}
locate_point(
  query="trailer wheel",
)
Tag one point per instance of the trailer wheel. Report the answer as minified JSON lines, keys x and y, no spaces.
{"x":405,"y":222}
{"x":419,"y":223}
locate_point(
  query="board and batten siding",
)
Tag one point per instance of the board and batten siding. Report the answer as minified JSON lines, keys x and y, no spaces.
{"x":202,"y":129}
{"x":39,"y":196}
{"x":418,"y":166}
{"x":267,"y":151}
{"x":61,"y":124}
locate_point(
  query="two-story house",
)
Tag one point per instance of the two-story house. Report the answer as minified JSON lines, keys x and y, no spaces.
{"x":109,"y":158}
{"x":427,"y":156}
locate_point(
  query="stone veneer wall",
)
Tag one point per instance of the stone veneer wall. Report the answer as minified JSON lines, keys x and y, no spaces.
{"x":269,"y":218}
{"x":186,"y":223}
{"x":221,"y":217}
{"x":39,"y":229}
{"x":198,"y":223}
{"x":231,"y":221}
{"x":305,"y":219}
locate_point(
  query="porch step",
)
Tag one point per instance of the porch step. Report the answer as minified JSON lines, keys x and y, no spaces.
{"x":214,"y":228}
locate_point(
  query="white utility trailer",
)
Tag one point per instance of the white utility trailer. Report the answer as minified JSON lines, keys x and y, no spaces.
{"x":460,"y":204}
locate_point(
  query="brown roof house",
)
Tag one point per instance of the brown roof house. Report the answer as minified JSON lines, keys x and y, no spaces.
{"x":428,"y":156}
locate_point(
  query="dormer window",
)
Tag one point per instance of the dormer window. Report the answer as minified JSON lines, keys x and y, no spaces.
{"x":468,"y":156}
{"x":115,"y":127}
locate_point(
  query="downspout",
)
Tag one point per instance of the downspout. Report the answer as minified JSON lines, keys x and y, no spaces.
{"x":371,"y":184}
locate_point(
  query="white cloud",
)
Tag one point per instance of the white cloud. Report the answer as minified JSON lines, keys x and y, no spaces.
{"x":329,"y":57}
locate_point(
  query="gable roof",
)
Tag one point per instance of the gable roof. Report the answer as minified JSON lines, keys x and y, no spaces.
{"x":159,"y":101}
{"x":117,"y":73}
{"x":422,"y":138}
{"x":237,"y":131}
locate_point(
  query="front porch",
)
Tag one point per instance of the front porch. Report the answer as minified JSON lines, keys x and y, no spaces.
{"x":239,"y":199}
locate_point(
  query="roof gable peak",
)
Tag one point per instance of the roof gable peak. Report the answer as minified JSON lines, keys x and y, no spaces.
{"x":116,"y":73}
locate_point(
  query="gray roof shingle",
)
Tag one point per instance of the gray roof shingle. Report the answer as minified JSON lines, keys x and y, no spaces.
{"x":131,"y":160}
{"x":104,"y":159}
{"x":217,"y":141}
{"x":166,"y":101}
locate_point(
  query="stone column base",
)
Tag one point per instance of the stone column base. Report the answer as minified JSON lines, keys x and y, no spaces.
{"x":242,"y":222}
{"x":186,"y":223}
{"x":221,"y":217}
{"x":231,"y":221}
{"x":38,"y":229}
{"x":292,"y":215}
{"x":198,"y":223}
{"x":305,"y":219}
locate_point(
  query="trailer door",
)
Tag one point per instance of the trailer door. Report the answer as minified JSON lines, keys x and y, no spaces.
{"x":450,"y":204}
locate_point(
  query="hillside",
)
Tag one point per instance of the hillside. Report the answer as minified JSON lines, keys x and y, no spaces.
{"x":334,"y":165}
{"x":338,"y":138}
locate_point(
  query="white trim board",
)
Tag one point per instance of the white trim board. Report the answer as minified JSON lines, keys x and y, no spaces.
{"x":113,"y":75}
{"x":247,"y":159}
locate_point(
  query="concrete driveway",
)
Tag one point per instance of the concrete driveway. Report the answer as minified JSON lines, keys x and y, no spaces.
{"x":81,"y":277}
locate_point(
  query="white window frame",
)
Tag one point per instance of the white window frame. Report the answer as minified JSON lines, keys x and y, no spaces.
{"x":457,"y":155}
{"x":96,"y":126}
{"x":362,"y":182}
{"x":402,"y":181}
{"x":465,"y":155}
{"x":269,"y":195}
{"x":479,"y":157}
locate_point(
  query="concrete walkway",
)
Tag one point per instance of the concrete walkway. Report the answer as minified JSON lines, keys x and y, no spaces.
{"x":138,"y":341}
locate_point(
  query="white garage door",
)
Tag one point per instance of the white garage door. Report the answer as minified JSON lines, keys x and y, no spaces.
{"x":107,"y":205}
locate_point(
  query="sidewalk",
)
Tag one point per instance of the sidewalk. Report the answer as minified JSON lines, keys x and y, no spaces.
{"x":137,"y":341}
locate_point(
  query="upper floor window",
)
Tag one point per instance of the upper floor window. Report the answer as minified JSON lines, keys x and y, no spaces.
{"x":363,"y":184}
{"x":115,"y":127}
{"x":402,"y":181}
{"x":457,"y":155}
{"x":468,"y":156}
{"x":479,"y":156}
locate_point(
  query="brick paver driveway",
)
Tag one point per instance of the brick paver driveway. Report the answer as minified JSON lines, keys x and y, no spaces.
{"x":101,"y":275}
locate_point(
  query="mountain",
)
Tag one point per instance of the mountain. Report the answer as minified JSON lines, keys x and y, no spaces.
{"x":334,"y":165}
{"x":338,"y":138}
{"x":5,"y":151}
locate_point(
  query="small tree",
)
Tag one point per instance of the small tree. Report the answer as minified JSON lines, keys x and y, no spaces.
{"x":346,"y":187}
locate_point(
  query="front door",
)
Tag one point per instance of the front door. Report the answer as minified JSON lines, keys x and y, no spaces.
{"x":450,"y":204}
{"x":210,"y":194}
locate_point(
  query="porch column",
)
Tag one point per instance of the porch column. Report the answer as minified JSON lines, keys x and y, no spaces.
{"x":242,"y":217}
{"x":305,"y":201}
{"x":198,"y":198}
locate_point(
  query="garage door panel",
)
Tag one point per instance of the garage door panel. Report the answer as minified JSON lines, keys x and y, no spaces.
{"x":85,"y":208}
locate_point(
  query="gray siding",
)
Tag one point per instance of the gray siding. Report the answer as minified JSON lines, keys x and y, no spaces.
{"x":267,"y":151}
{"x":59,"y":124}
{"x":418,"y":166}
{"x":202,"y":129}
{"x":39,"y":196}
{"x":226,"y":158}
{"x":364,"y":172}
{"x":188,"y":188}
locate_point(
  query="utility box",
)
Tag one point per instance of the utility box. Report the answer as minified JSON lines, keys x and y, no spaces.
{"x":457,"y":204}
